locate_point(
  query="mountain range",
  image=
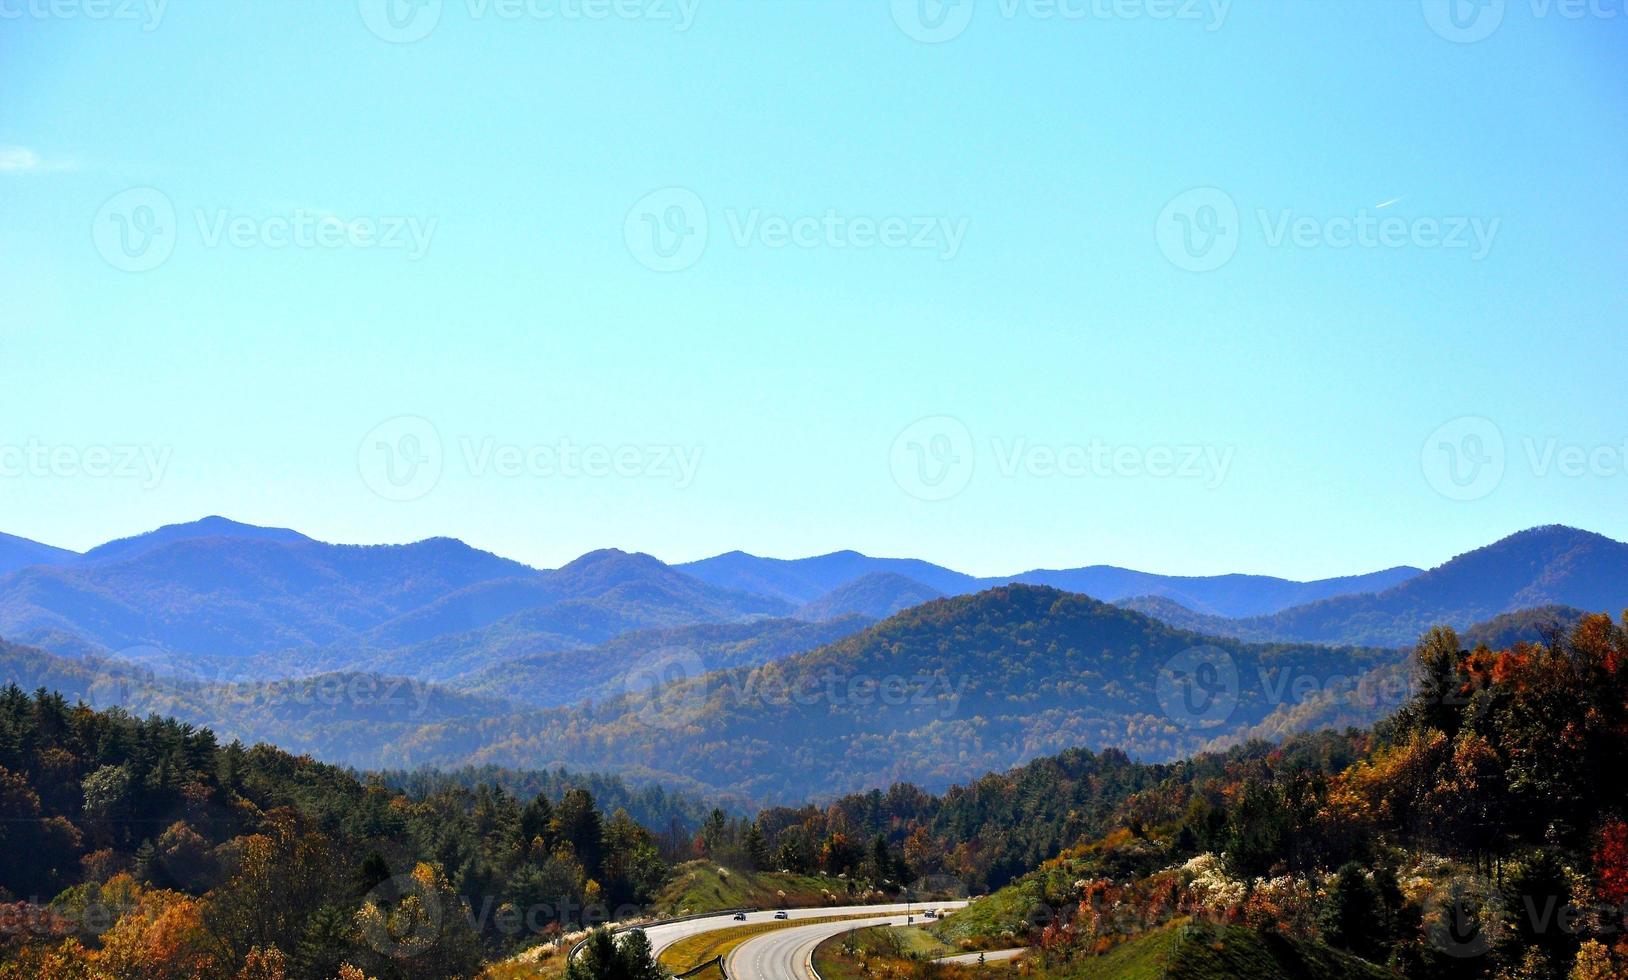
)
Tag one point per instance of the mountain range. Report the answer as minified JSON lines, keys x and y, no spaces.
{"x":806,"y":580}
{"x":1543,"y":566}
{"x":271,"y":602}
{"x":932,"y":695}
{"x":618,"y":661}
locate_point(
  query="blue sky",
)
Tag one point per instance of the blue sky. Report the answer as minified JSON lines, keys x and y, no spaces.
{"x":1024,"y":284}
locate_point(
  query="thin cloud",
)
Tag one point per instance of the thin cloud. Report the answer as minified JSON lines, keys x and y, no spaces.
{"x":1386,"y":204}
{"x":22,"y":160}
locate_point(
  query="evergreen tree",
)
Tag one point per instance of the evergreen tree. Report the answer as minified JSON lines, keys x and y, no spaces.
{"x":1354,"y":915}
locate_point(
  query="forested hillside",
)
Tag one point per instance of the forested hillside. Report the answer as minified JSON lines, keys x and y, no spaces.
{"x":1479,"y":834}
{"x":144,"y":848}
{"x":938,"y":694}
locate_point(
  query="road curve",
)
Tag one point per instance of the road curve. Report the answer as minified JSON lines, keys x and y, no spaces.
{"x":788,"y":954}
{"x":993,"y":956}
{"x":663,"y":936}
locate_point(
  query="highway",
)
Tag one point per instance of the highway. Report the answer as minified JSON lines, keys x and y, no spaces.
{"x":788,"y":954}
{"x":994,"y":956}
{"x":664,"y":936}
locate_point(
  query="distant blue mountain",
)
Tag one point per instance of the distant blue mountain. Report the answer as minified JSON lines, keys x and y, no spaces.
{"x":18,"y":553}
{"x":805,"y":580}
{"x":1550,"y":566}
{"x":223,"y":589}
{"x":874,"y":596}
{"x":209,"y":527}
{"x":1220,"y":595}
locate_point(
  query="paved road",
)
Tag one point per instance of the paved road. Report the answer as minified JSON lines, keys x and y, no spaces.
{"x":993,"y":956}
{"x":662,"y":937}
{"x":788,"y":954}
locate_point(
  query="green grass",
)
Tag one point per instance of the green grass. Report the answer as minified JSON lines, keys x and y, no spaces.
{"x":1188,"y":951}
{"x":997,"y":921}
{"x":833,"y":961}
{"x":918,"y":941}
{"x":700,"y":886}
{"x":906,"y":951}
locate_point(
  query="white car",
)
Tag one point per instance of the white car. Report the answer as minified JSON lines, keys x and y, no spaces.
{"x":782,"y":915}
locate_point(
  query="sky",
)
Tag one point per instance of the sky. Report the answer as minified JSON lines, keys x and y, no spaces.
{"x":1302,"y":288}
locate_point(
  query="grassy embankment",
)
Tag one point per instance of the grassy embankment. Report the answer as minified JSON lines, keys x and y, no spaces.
{"x":867,"y":953}
{"x":1192,"y":951}
{"x":699,"y":887}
